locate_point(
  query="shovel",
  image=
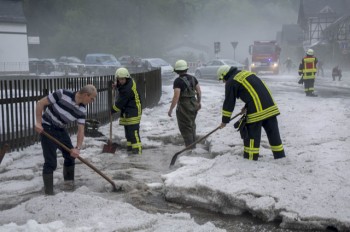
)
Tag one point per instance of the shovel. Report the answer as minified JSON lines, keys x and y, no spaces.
{"x":115,"y":189}
{"x":173,"y":160}
{"x":3,"y":150}
{"x":110,"y":147}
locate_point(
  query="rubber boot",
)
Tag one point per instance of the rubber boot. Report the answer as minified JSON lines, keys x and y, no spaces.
{"x":48,"y":184}
{"x":68,"y":175}
{"x":188,"y":141}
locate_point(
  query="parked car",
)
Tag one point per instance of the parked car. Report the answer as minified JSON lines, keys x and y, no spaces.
{"x":166,"y":69}
{"x":39,"y":66}
{"x":209,"y":69}
{"x":101,"y":63}
{"x":71,"y":64}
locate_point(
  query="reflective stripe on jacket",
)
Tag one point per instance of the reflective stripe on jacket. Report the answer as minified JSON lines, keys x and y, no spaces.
{"x":309,"y":67}
{"x":252,"y":91}
{"x":129,"y":104}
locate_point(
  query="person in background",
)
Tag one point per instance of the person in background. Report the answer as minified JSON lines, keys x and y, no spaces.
{"x":186,"y":89}
{"x":128,"y":103}
{"x":336,"y":72}
{"x":288,"y":63}
{"x":52,"y":114}
{"x":320,"y":68}
{"x":260,"y":110}
{"x":308,"y":71}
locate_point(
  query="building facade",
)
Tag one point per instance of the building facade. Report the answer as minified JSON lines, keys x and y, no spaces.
{"x":13,"y":38}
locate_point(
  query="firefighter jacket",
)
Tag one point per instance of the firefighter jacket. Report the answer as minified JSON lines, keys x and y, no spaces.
{"x":308,"y":68}
{"x":253,"y":92}
{"x":128,"y":103}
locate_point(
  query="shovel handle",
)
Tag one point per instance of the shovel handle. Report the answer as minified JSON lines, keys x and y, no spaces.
{"x":173,"y":160}
{"x":80,"y":158}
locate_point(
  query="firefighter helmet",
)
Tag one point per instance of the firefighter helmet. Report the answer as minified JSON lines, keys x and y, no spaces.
{"x":310,"y":52}
{"x":181,"y":65}
{"x":222,"y":71}
{"x":122,"y":73}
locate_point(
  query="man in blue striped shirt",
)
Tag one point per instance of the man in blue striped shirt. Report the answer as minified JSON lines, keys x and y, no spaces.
{"x":53,"y":113}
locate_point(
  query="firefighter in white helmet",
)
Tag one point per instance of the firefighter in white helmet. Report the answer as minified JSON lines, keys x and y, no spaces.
{"x":187,"y":98}
{"x":307,"y":70}
{"x":260,"y":110}
{"x":128,"y":103}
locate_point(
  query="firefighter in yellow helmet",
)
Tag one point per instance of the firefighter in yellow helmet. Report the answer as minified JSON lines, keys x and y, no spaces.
{"x":260,"y":110}
{"x":128,"y":103}
{"x":308,"y":69}
{"x":187,"y":97}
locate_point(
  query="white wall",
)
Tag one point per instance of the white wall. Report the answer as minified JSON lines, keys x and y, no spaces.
{"x":13,"y":47}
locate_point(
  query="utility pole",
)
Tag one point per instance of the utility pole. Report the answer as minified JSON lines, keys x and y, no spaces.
{"x":217,"y":49}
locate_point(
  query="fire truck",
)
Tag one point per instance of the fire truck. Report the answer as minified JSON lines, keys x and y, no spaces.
{"x":265,"y":56}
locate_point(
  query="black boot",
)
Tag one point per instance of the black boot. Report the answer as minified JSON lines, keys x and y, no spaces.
{"x":313,"y":95}
{"x":48,"y":184}
{"x":68,"y":175}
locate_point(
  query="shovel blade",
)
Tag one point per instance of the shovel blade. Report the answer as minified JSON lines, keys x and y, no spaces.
{"x":110,"y":148}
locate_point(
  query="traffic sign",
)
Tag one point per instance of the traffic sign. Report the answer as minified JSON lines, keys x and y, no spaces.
{"x":234,"y":44}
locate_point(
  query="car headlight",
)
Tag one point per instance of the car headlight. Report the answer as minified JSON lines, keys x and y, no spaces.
{"x":253,"y":65}
{"x":275,"y":65}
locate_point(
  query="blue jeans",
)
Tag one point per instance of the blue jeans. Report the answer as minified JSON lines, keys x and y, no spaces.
{"x":50,"y":148}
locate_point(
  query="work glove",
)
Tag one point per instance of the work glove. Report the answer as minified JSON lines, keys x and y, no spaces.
{"x":114,"y":109}
{"x":240,"y":125}
{"x":301,"y":81}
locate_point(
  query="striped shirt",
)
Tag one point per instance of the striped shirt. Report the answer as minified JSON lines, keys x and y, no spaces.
{"x":63,"y":109}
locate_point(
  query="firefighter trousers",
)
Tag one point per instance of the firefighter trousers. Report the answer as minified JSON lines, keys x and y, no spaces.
{"x":252,"y":142}
{"x":309,"y":86}
{"x":133,"y":140}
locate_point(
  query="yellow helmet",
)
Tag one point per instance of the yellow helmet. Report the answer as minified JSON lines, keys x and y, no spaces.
{"x":181,"y":65}
{"x":222,"y":71}
{"x":122,"y":73}
{"x":310,"y":52}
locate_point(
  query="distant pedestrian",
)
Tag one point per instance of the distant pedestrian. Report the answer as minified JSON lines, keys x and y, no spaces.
{"x":260,"y":109}
{"x":53,"y":113}
{"x":336,"y":72}
{"x":320,"y":68}
{"x":307,"y":70}
{"x":288,"y":63}
{"x":128,"y":103}
{"x":246,"y":64}
{"x":187,"y":98}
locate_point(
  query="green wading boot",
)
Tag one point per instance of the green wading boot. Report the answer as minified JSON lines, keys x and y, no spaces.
{"x":68,"y":175}
{"x":48,"y":184}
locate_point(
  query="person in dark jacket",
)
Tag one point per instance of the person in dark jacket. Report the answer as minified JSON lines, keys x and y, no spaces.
{"x":260,"y":109}
{"x":186,"y":89}
{"x":336,"y":72}
{"x":53,"y":113}
{"x":128,"y":103}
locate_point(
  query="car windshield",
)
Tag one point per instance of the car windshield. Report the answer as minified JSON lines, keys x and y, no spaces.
{"x":107,"y":58}
{"x":73,"y":60}
{"x":158,"y":62}
{"x":263,"y":49}
{"x":231,"y":62}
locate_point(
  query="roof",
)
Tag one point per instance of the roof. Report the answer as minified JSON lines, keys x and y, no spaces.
{"x":313,"y":8}
{"x":334,"y":27}
{"x":12,"y":11}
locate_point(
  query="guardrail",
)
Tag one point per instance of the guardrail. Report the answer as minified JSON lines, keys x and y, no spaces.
{"x":19,"y":94}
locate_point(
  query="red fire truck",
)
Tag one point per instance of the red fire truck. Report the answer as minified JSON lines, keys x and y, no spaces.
{"x":265,"y":56}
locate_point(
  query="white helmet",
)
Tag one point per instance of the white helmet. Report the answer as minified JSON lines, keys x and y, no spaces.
{"x":181,"y":65}
{"x":122,"y":73}
{"x":310,"y":52}
{"x":222,"y":71}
